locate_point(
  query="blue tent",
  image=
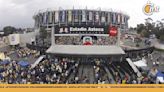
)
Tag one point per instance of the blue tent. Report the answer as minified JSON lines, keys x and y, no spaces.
{"x":23,"y":63}
{"x":160,"y":74}
{"x":4,"y":62}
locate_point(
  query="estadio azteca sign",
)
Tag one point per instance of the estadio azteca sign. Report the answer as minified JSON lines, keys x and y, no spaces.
{"x":80,"y":29}
{"x":86,"y":29}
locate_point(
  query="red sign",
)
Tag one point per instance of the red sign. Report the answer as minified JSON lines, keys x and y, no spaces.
{"x":113,"y":31}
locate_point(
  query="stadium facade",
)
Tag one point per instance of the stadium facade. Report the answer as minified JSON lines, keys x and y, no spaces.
{"x":90,"y":38}
{"x":72,"y":29}
{"x":81,"y":17}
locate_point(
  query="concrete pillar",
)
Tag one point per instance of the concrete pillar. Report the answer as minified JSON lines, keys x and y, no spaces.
{"x":118,"y":37}
{"x":52,"y":36}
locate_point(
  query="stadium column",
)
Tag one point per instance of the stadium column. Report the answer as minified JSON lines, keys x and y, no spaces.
{"x":52,"y":35}
{"x":118,"y":36}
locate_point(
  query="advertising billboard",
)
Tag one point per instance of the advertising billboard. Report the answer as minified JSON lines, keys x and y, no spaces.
{"x":14,"y":39}
{"x":87,"y":29}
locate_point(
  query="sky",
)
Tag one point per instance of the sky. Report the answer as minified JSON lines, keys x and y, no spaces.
{"x":19,"y":13}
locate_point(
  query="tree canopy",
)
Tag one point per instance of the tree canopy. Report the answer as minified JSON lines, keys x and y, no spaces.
{"x":150,"y":28}
{"x":9,"y":30}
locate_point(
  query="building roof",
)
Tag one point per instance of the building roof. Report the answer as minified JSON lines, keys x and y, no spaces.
{"x":85,"y":50}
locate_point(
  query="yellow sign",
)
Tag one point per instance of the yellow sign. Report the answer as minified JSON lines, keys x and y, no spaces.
{"x":150,"y":8}
{"x":80,"y":88}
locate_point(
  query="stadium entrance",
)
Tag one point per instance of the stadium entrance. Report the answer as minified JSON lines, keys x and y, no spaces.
{"x":85,"y":43}
{"x":94,"y":69}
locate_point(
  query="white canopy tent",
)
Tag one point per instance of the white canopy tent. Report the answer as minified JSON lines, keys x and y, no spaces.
{"x":140,"y":63}
{"x":85,"y":50}
{"x":160,"y":79}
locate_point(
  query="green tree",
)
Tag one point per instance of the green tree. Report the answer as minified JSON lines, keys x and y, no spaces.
{"x":151,"y":27}
{"x":145,"y":33}
{"x":9,"y":30}
{"x":161,"y":35}
{"x":140,"y":28}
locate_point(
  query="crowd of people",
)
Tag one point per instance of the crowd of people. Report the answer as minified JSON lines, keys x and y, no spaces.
{"x":105,"y":41}
{"x":77,"y":40}
{"x":46,"y":72}
{"x":125,"y":75}
{"x":68,"y":40}
{"x":58,"y":71}
{"x":154,"y":63}
{"x":156,"y":58}
{"x":100,"y":75}
{"x":82,"y":73}
{"x":26,"y":52}
{"x":117,"y":73}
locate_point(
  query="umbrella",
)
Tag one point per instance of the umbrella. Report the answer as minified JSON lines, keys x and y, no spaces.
{"x":4,"y":62}
{"x":23,"y":63}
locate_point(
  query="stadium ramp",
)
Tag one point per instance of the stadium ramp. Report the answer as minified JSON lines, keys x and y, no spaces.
{"x":37,"y":61}
{"x":135,"y":69}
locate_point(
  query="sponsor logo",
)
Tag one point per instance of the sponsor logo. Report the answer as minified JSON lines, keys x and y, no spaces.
{"x":150,"y":8}
{"x":63,"y":30}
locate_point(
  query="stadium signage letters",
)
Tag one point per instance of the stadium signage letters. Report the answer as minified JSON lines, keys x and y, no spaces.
{"x":86,"y":29}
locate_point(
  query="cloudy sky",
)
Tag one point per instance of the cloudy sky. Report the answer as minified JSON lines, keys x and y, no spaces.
{"x":19,"y":13}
